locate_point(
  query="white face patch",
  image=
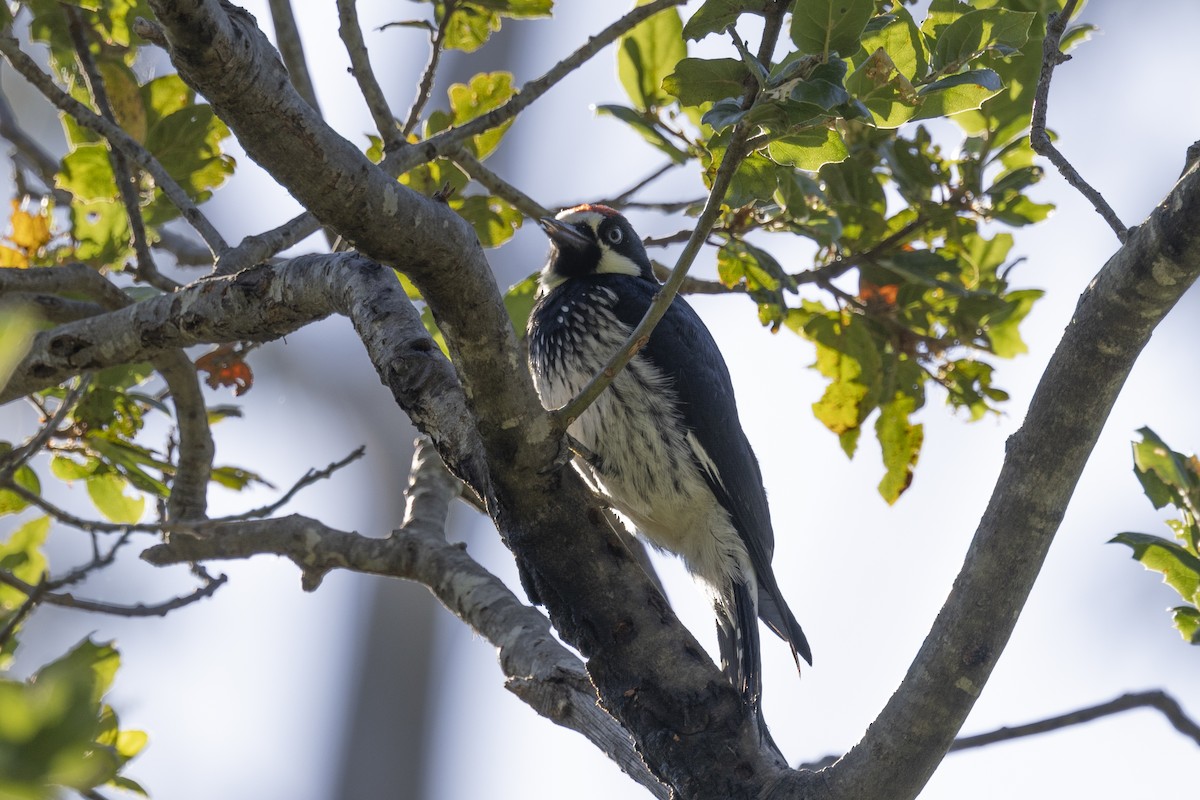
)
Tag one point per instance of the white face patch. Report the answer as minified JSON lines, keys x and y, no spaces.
{"x":611,"y":263}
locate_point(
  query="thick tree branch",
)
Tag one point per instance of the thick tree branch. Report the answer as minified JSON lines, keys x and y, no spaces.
{"x":538,"y":669}
{"x":1112,"y":323}
{"x":262,"y":246}
{"x":261,"y":304}
{"x":649,"y":671}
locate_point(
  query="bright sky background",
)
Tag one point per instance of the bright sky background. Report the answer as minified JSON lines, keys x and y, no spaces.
{"x":242,"y":694}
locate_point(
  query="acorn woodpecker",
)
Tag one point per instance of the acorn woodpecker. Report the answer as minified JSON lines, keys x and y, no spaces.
{"x":666,"y":447}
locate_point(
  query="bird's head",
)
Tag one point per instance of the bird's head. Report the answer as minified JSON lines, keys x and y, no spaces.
{"x":592,"y":240}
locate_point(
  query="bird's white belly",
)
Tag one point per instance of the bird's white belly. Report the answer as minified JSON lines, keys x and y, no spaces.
{"x":648,"y":466}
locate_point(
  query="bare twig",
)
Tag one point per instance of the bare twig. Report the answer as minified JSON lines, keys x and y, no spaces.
{"x":1052,"y":56}
{"x":498,"y":186}
{"x":437,"y":37}
{"x":622,"y":200}
{"x":125,"y":179}
{"x":447,"y":141}
{"x":14,"y":459}
{"x":44,"y":164}
{"x":291,"y":49}
{"x":118,"y":138}
{"x":1157,"y":699}
{"x":309,"y":478}
{"x":68,"y":600}
{"x":360,"y":65}
{"x":32,"y":598}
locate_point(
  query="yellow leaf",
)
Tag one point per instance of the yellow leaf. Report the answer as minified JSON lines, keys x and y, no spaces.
{"x":12,"y":258}
{"x":30,"y":232}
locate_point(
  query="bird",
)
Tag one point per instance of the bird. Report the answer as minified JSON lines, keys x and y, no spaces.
{"x":663,"y":445}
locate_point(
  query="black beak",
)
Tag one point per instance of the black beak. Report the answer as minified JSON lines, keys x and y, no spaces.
{"x":563,"y":235}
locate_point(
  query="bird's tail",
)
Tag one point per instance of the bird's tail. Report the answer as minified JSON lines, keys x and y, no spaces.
{"x":773,"y":611}
{"x":741,"y":659}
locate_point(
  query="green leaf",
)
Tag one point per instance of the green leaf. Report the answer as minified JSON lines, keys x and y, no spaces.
{"x":469,"y":27}
{"x":107,"y":490}
{"x":961,"y":92}
{"x":66,"y":468}
{"x":87,"y":173}
{"x":483,"y":93}
{"x":822,"y":27}
{"x":979,"y":31}
{"x":1165,"y":475}
{"x":901,"y":40}
{"x":494,"y":219}
{"x":27,"y":479}
{"x":99,"y":661}
{"x":809,"y":149}
{"x":646,"y":128}
{"x":18,"y":325}
{"x":519,"y":300}
{"x":1180,"y":569}
{"x":848,"y":356}
{"x":1187,"y":620}
{"x":900,"y":441}
{"x":236,"y":478}
{"x":648,"y":54}
{"x":1002,"y":327}
{"x":724,"y":114}
{"x":716,"y":15}
{"x":696,"y":81}
{"x":21,"y":556}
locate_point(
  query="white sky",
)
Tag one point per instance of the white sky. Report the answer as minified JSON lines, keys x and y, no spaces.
{"x":225,"y":688}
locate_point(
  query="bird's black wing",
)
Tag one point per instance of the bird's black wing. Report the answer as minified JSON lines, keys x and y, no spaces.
{"x":682,"y":348}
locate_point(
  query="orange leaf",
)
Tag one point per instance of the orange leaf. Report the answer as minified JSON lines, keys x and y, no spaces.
{"x":874,"y":294}
{"x":226,"y":367}
{"x":30,"y":232}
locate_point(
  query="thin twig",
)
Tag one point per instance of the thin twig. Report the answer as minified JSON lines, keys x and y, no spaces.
{"x":498,"y":186}
{"x":15,"y":459}
{"x":406,"y":158}
{"x":68,"y":600}
{"x":360,"y":65}
{"x":309,"y":478}
{"x":32,"y":598}
{"x":117,"y":137}
{"x":640,"y":335}
{"x":123,"y":176}
{"x":43,"y":162}
{"x":1156,"y":699}
{"x":291,"y":49}
{"x":437,"y":39}
{"x":622,"y":200}
{"x":1039,"y":140}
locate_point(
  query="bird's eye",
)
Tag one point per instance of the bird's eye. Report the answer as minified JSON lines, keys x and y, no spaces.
{"x":614,"y":235}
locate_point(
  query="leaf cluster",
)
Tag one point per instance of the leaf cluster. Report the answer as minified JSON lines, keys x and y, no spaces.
{"x":1171,"y":479}
{"x":908,"y":286}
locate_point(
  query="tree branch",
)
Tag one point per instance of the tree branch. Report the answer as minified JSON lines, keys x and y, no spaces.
{"x":68,"y":600}
{"x":539,"y":670}
{"x":117,"y":138}
{"x":261,"y":304}
{"x":447,"y":141}
{"x":1157,"y":699}
{"x":291,"y":49}
{"x":360,"y":65}
{"x":1039,"y":140}
{"x":1113,"y":321}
